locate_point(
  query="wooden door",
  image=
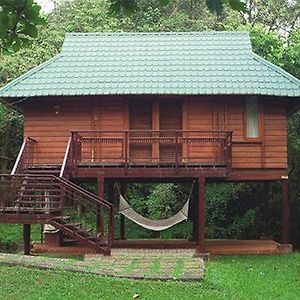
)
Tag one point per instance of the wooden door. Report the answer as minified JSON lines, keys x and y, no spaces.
{"x":170,"y":120}
{"x":110,"y":121}
{"x":140,"y":121}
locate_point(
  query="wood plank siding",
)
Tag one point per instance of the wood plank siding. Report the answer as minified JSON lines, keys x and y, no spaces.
{"x":51,"y":121}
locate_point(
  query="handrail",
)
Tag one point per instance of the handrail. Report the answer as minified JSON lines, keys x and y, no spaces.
{"x":99,"y":202}
{"x":52,"y":197}
{"x":66,"y":158}
{"x":117,"y":147}
{"x":68,"y":183}
{"x":86,"y":192}
{"x":23,"y":155}
{"x":150,"y":131}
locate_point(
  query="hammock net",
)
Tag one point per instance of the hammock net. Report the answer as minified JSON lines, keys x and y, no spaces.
{"x":156,"y":225}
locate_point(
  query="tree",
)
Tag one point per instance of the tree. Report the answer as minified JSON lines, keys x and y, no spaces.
{"x":18,"y":23}
{"x":130,"y":6}
{"x":281,"y":16}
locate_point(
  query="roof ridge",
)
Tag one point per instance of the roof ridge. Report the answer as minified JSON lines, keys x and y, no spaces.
{"x":30,"y":72}
{"x":276,"y":68}
{"x":160,"y":33}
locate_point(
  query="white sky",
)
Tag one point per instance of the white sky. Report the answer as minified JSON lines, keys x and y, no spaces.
{"x":47,"y":5}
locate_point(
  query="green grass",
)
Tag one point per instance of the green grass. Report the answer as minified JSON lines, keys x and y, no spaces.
{"x":11,"y":236}
{"x":238,"y":277}
{"x":179,"y":267}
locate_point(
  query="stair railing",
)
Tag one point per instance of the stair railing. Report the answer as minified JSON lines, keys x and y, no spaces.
{"x":60,"y":202}
{"x":25,"y":156}
{"x":29,"y":196}
{"x":67,"y":165}
{"x":81,"y":213}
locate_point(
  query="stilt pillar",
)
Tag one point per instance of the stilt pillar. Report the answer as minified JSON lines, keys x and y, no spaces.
{"x":201,"y":215}
{"x":99,"y":221}
{"x":194,"y":212}
{"x":111,"y":199}
{"x":285,"y":210}
{"x":26,"y":239}
{"x":122,"y":217}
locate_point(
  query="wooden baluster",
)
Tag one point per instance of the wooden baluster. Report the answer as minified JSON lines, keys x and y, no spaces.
{"x":126,"y":145}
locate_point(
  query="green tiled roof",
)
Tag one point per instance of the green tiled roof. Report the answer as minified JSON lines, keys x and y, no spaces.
{"x":194,"y":63}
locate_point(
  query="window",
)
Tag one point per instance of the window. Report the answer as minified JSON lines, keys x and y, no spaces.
{"x":252,"y":118}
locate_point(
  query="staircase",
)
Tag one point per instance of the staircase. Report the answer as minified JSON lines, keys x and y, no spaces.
{"x":47,"y":199}
{"x":43,"y":170}
{"x":39,"y":194}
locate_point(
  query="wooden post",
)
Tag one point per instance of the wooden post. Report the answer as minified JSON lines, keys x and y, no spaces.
{"x":201,"y":215}
{"x":155,"y":126}
{"x":122,"y":217}
{"x":26,"y":239}
{"x":99,"y":220}
{"x":285,"y":210}
{"x":185,"y":145}
{"x":194,"y":212}
{"x":111,"y":199}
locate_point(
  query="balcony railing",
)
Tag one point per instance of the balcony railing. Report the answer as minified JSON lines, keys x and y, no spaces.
{"x":170,"y":148}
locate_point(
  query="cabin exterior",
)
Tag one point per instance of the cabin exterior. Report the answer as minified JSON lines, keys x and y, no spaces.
{"x":150,"y":107}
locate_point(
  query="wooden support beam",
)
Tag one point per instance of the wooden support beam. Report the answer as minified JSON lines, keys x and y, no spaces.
{"x":26,"y":239}
{"x":201,"y":215}
{"x":155,"y":126}
{"x":99,"y":221}
{"x":111,"y":199}
{"x":185,"y":115}
{"x":194,"y":211}
{"x":285,"y":210}
{"x":122,"y":217}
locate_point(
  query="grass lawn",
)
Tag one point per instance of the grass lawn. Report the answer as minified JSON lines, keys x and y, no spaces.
{"x":11,"y":236}
{"x":238,"y":277}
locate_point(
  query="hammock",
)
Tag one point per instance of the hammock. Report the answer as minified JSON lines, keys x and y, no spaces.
{"x":157,"y":225}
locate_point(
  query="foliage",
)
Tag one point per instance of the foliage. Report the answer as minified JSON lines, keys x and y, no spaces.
{"x":281,"y":16}
{"x":215,"y":6}
{"x":11,"y":137}
{"x":233,"y":277}
{"x":18,"y":23}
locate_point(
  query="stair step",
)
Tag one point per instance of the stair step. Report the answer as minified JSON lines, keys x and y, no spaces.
{"x":40,"y":167}
{"x":102,"y":241}
{"x":67,"y":240}
{"x":27,"y":210}
{"x":62,"y":218}
{"x":72,"y":225}
{"x":42,"y":172}
{"x":83,"y":231}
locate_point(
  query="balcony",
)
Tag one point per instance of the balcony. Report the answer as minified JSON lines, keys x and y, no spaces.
{"x":134,"y":148}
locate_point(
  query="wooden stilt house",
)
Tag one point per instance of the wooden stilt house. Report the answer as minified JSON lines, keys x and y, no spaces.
{"x":144,"y":107}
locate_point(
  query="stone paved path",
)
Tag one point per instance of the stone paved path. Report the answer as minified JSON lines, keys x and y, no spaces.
{"x":123,"y":263}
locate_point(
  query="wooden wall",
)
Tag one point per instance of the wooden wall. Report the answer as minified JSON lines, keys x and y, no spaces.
{"x":269,"y":151}
{"x":50,"y":121}
{"x":52,"y":130}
